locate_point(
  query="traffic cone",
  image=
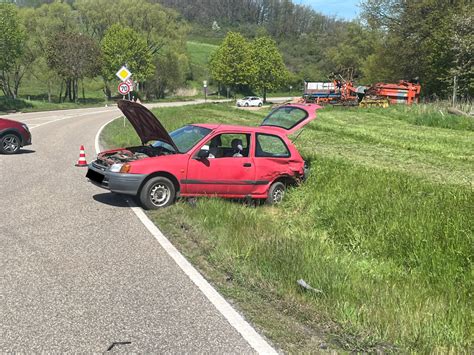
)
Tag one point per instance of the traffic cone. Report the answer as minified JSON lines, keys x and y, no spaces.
{"x":82,"y":158}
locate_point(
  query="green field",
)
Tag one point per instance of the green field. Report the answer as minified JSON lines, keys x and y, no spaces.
{"x":383,"y":226}
{"x":199,"y":54}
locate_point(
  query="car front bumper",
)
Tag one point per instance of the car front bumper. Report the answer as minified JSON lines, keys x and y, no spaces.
{"x":26,"y":139}
{"x":128,"y":184}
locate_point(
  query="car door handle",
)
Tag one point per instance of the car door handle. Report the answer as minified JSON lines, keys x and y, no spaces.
{"x":247,"y":165}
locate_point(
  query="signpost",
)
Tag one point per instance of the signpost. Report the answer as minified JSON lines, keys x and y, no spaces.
{"x":126,"y":85}
{"x":130,"y":83}
{"x":123,"y":88}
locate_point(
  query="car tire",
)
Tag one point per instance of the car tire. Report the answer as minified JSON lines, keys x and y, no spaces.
{"x":246,"y":104}
{"x":260,"y":104}
{"x":158,"y":192}
{"x":276,"y":193}
{"x":9,"y":143}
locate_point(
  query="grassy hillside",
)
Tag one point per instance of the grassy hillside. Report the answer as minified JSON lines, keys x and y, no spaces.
{"x":383,"y":227}
{"x":199,"y":54}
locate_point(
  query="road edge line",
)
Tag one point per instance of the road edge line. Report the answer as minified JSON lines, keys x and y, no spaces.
{"x":97,"y":136}
{"x":235,"y":319}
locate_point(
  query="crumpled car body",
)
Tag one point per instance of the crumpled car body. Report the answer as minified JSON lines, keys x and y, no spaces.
{"x":205,"y":159}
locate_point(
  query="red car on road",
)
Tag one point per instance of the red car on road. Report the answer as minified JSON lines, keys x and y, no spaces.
{"x":13,"y":136}
{"x":205,"y":159}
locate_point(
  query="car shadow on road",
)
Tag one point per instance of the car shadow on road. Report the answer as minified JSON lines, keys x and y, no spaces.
{"x":111,"y":199}
{"x":25,"y":151}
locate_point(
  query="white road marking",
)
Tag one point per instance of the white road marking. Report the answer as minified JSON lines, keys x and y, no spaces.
{"x":97,"y":136}
{"x":52,"y":119}
{"x":254,"y":339}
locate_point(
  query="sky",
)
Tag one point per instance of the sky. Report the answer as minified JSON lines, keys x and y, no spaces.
{"x":345,"y":9}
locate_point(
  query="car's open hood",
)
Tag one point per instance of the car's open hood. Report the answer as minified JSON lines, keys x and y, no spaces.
{"x":148,"y":127}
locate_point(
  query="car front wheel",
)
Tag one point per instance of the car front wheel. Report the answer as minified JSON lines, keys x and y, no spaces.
{"x":158,"y":192}
{"x":260,"y":104}
{"x":9,"y":144}
{"x":246,"y":104}
{"x":276,"y":192}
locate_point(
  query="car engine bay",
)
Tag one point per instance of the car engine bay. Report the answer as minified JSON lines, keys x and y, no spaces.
{"x":130,"y":154}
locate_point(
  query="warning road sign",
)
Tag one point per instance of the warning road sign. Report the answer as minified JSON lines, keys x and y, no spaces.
{"x":123,"y":88}
{"x":123,"y":73}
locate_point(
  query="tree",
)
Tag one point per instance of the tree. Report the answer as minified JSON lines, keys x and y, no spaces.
{"x":419,"y":40}
{"x":12,"y":41}
{"x":356,"y":43}
{"x":270,"y":72}
{"x":463,"y":49}
{"x":74,"y":56}
{"x":169,"y":75}
{"x":43,"y":25}
{"x":124,"y":46}
{"x":162,"y":29}
{"x":231,"y":64}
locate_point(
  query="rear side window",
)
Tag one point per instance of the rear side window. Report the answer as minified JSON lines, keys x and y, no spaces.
{"x":285,"y":117}
{"x":271,"y":146}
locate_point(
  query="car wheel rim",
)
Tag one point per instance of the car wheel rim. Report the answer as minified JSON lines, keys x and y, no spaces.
{"x":10,"y":144}
{"x":277,"y":195}
{"x":159,"y":195}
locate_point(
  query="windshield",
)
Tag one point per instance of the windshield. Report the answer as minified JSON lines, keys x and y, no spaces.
{"x":185,"y":138}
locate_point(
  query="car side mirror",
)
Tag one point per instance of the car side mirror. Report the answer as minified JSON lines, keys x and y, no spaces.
{"x":203,"y":153}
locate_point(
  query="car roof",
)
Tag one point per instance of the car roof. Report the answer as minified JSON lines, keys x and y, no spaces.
{"x":247,"y":129}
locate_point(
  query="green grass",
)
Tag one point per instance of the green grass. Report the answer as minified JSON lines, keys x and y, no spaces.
{"x":383,"y":227}
{"x":199,"y":55}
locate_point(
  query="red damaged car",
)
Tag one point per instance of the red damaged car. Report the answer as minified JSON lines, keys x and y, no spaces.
{"x":205,"y":159}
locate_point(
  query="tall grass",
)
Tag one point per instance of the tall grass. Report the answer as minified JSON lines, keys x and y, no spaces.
{"x":431,"y":115}
{"x":383,"y":226}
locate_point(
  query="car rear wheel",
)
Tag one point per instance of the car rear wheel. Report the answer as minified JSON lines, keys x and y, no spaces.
{"x":246,"y":104}
{"x":276,"y":192}
{"x":9,"y":144}
{"x":158,"y":192}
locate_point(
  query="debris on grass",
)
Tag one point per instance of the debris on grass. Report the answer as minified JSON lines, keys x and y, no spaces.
{"x":304,"y":285}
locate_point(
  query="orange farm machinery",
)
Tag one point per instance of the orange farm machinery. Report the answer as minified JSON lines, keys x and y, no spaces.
{"x":341,"y":92}
{"x":335,"y":92}
{"x":382,"y":94}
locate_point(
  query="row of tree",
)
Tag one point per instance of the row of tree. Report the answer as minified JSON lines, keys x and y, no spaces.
{"x":429,"y":39}
{"x":280,"y":18}
{"x":392,"y":40}
{"x":61,"y":44}
{"x":257,"y":65}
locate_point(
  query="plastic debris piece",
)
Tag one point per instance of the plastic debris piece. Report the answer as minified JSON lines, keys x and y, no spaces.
{"x":303,"y":284}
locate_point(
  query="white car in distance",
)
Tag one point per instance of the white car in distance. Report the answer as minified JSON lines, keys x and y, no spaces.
{"x":250,"y":101}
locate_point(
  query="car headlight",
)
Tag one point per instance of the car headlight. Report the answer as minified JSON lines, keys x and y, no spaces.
{"x":120,"y":168}
{"x":115,"y":168}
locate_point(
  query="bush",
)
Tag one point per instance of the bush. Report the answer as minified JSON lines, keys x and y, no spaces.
{"x":7,"y":104}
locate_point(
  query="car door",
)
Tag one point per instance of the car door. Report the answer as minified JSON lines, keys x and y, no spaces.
{"x":291,"y":117}
{"x":272,"y":157}
{"x":226,"y":172}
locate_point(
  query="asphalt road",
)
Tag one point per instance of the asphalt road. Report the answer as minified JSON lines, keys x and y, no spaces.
{"x":78,"y":270}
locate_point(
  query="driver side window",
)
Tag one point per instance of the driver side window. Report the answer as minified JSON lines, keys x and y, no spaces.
{"x":228,"y":145}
